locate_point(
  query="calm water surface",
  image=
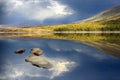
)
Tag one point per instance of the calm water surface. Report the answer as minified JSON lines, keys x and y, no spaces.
{"x":72,"y":60}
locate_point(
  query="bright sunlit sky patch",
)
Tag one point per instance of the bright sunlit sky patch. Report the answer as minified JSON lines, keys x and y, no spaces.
{"x":51,"y":11}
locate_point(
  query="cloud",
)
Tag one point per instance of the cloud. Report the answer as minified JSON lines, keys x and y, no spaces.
{"x":19,"y":71}
{"x":59,"y":9}
{"x":37,"y":9}
{"x":2,"y":13}
{"x":51,"y":11}
{"x":88,"y":8}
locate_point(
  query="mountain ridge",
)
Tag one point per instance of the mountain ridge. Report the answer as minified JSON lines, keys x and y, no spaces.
{"x":108,"y":20}
{"x":105,"y":16}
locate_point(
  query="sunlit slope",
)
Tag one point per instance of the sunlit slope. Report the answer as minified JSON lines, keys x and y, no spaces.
{"x":109,"y":15}
{"x":23,"y":30}
{"x":108,"y":20}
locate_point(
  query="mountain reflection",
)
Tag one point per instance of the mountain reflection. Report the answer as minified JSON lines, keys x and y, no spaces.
{"x":108,"y":43}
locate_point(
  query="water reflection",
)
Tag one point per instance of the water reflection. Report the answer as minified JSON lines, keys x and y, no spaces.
{"x":72,"y":61}
{"x":108,"y":43}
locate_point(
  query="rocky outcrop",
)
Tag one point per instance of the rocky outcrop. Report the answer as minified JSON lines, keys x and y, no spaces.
{"x":36,"y":51}
{"x":20,"y":51}
{"x":37,"y":60}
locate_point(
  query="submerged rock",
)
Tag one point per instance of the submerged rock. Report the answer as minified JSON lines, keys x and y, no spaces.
{"x":38,"y":62}
{"x":36,"y":51}
{"x":20,"y":51}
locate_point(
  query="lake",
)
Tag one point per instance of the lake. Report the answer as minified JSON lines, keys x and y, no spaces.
{"x":73,"y":56}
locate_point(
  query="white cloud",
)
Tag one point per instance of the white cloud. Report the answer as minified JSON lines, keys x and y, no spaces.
{"x":20,"y":71}
{"x":37,"y":9}
{"x":58,"y":8}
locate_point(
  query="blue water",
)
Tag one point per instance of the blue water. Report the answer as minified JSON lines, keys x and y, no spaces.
{"x":72,"y":61}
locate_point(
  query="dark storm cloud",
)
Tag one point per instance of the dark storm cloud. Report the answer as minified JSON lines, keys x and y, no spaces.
{"x":28,"y":11}
{"x":87,"y":8}
{"x":2,"y":12}
{"x":51,"y":11}
{"x":65,"y":20}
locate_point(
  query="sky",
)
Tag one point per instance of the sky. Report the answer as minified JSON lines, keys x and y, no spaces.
{"x":45,"y":12}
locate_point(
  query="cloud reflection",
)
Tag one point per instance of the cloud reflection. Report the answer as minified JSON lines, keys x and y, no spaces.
{"x":60,"y":66}
{"x":20,"y":71}
{"x":66,"y":46}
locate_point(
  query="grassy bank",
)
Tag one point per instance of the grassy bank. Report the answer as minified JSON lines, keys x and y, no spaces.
{"x":81,"y":26}
{"x":86,"y":27}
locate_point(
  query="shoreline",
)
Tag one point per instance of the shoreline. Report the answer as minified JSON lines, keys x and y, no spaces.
{"x":60,"y":32}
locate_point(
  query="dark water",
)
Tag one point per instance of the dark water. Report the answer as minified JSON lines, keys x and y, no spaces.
{"x":72,"y":61}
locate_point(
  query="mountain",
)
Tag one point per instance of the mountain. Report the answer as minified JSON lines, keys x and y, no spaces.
{"x":108,"y":20}
{"x":110,"y":15}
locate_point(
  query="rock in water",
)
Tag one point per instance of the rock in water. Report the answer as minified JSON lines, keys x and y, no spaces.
{"x":38,"y":62}
{"x":20,"y":51}
{"x":36,"y":51}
